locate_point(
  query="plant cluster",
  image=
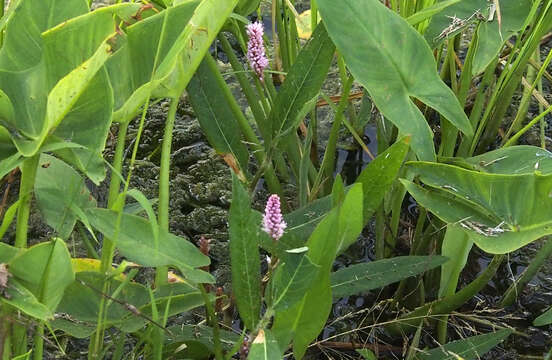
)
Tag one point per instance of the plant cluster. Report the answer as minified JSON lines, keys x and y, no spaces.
{"x":438,"y":81}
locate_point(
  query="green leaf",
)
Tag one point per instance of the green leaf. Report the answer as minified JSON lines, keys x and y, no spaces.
{"x":8,"y":252}
{"x":470,"y":348}
{"x":304,"y":321}
{"x":170,"y":46}
{"x":430,"y":11}
{"x":56,"y":199}
{"x":136,"y":241}
{"x":491,"y":37}
{"x":197,"y":347}
{"x":380,"y":174}
{"x":363,"y":277}
{"x":291,"y":280}
{"x":544,"y":319}
{"x":299,"y":92}
{"x":366,"y":354}
{"x":23,"y":299}
{"x":206,"y":91}
{"x":500,"y":213}
{"x":244,"y":230}
{"x":246,"y":7}
{"x":394,"y":63}
{"x":456,"y":246}
{"x":45,"y":269}
{"x":25,"y":356}
{"x":264,"y":347}
{"x":514,"y":160}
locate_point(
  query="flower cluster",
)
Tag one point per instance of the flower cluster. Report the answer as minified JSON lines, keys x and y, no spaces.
{"x":255,"y":49}
{"x":273,"y":223}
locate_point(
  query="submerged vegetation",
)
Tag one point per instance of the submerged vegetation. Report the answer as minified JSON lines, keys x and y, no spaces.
{"x":184,"y":164}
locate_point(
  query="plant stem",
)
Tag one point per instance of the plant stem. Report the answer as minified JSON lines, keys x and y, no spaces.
{"x":212,"y":320}
{"x":514,"y":138}
{"x":28,"y":175}
{"x":163,"y":208}
{"x":534,"y":266}
{"x":38,"y":342}
{"x":449,"y":303}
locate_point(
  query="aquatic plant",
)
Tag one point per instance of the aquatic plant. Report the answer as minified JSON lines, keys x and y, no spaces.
{"x":433,"y":80}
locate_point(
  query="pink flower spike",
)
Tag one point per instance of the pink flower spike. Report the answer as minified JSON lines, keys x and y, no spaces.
{"x":273,"y":223}
{"x":255,"y":49}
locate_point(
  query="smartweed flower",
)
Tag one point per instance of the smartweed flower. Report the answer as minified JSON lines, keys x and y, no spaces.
{"x":273,"y":223}
{"x":255,"y":49}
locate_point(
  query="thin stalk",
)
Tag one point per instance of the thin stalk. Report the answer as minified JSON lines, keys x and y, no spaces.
{"x":452,"y":302}
{"x":2,"y":6}
{"x":96,"y":342}
{"x":328,"y":163}
{"x":246,"y":129}
{"x":514,"y":138}
{"x":28,"y":175}
{"x":535,"y":265}
{"x":528,"y":92}
{"x":212,"y":320}
{"x":161,"y":273}
{"x":38,"y":342}
{"x":314,"y":14}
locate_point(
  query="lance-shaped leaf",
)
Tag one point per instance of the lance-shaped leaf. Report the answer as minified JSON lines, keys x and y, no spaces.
{"x":245,"y":229}
{"x":491,"y":35}
{"x":56,"y":199}
{"x":299,"y":92}
{"x":137,"y":242}
{"x":394,"y":63}
{"x":471,"y":348}
{"x":45,"y":269}
{"x":206,"y":91}
{"x":304,"y":321}
{"x":544,"y":319}
{"x":291,"y":280}
{"x":264,"y":347}
{"x":359,"y":278}
{"x":500,"y":213}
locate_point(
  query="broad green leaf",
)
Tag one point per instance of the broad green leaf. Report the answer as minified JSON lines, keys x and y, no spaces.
{"x":136,"y":241}
{"x":376,"y":179}
{"x":206,"y":92}
{"x":363,"y":277}
{"x":491,"y":35}
{"x":264,"y":347}
{"x":513,"y":160}
{"x":544,"y":319}
{"x":304,"y":321}
{"x":170,"y":46}
{"x":45,"y":269}
{"x":456,"y":247}
{"x":23,"y":299}
{"x":291,"y":280}
{"x":380,"y":174}
{"x":244,"y":230}
{"x":299,"y":92}
{"x":500,"y":213}
{"x":7,"y":252}
{"x":471,"y":348}
{"x":394,"y":63}
{"x":56,"y":199}
{"x":246,"y":7}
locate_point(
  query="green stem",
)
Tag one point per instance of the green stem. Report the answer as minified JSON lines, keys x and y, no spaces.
{"x":38,"y":342}
{"x":28,"y":175}
{"x":449,"y":303}
{"x":534,"y":266}
{"x":212,"y":320}
{"x":164,"y":188}
{"x":514,"y":138}
{"x":246,"y":129}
